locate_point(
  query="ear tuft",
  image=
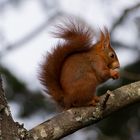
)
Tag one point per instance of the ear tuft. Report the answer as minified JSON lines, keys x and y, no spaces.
{"x":104,"y":38}
{"x":107,"y":34}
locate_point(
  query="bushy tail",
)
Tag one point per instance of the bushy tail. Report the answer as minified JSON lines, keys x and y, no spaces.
{"x":77,"y":38}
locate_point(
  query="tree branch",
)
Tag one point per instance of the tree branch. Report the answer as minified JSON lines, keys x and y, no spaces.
{"x":130,"y":75}
{"x":68,"y":121}
{"x":74,"y":119}
{"x":126,"y":46}
{"x":124,"y":15}
{"x":30,"y":35}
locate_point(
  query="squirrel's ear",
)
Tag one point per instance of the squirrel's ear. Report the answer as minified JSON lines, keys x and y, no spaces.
{"x":104,"y":38}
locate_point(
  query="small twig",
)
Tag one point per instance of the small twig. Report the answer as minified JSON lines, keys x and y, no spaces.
{"x":103,"y":104}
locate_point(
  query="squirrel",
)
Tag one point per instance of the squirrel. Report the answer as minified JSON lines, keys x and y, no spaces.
{"x":76,"y":66}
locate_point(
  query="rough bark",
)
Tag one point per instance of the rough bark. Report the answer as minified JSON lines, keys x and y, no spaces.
{"x":68,"y":121}
{"x":9,"y":130}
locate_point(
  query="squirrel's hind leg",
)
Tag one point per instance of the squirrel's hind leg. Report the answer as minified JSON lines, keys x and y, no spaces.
{"x":94,"y":101}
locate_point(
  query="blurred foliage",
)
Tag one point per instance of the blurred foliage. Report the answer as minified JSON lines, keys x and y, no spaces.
{"x":122,"y":125}
{"x":5,"y":3}
{"x":29,"y":101}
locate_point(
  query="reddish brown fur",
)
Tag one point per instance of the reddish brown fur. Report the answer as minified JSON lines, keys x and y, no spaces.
{"x":71,"y":73}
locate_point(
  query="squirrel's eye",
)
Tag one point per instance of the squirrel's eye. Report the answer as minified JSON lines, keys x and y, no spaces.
{"x":111,"y":54}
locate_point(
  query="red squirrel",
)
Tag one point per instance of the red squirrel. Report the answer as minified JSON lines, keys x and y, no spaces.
{"x":76,"y":66}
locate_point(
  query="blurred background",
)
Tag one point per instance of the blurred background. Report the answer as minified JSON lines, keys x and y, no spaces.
{"x":25,"y":39}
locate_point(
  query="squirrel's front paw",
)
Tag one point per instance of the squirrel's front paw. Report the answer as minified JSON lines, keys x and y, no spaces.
{"x":114,"y":74}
